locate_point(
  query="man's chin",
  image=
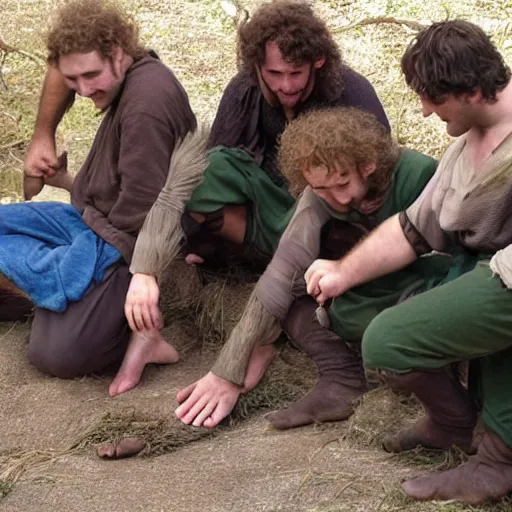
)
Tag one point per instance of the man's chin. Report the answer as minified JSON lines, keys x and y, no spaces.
{"x":289,"y":102}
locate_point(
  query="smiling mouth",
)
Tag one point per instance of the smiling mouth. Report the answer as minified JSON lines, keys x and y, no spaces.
{"x":290,"y":95}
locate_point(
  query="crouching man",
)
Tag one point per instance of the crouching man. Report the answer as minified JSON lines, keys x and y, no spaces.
{"x":460,"y":76}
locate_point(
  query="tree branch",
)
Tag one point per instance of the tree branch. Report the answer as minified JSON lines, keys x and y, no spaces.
{"x":411,"y":24}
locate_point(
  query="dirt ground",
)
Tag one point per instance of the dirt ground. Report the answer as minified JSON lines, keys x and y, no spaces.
{"x":248,"y":468}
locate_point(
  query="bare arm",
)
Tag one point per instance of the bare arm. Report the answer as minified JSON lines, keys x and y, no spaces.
{"x":41,"y":159}
{"x":384,"y":251}
{"x":55,"y":100}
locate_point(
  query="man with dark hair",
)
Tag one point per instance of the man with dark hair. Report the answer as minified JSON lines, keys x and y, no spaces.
{"x":72,"y":260}
{"x":354,"y":176}
{"x":289,"y":64}
{"x":460,"y":76}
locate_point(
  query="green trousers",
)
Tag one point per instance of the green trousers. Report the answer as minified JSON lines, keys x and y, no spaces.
{"x":233,"y":178}
{"x":469,"y":318}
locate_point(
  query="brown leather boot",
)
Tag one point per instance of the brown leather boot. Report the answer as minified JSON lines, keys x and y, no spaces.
{"x":486,"y":476}
{"x":341,"y":376}
{"x":451,"y":414}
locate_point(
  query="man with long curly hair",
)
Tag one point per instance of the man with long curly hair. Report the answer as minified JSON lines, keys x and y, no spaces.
{"x":288,"y":64}
{"x":354,"y":176}
{"x":460,"y":76}
{"x":74,"y":262}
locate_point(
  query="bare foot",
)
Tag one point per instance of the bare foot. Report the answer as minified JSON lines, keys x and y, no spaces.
{"x":144,"y":348}
{"x":261,"y":357}
{"x":206,"y":402}
{"x":127,"y":447}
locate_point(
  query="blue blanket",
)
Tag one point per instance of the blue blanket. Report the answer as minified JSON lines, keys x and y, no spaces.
{"x":48,"y":251}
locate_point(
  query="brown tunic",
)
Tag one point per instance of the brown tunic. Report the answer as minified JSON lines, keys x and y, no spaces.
{"x":127,"y":165}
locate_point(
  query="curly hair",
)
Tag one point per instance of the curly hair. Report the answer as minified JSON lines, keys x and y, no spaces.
{"x":83,"y":26}
{"x":343,"y":136}
{"x":454,"y":57}
{"x":300,"y":35}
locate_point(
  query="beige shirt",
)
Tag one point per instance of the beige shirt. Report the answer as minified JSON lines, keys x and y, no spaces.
{"x":469,"y":206}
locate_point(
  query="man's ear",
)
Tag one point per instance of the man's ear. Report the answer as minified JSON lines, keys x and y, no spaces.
{"x":367,"y":170}
{"x":116,"y":59}
{"x":474,"y":97}
{"x":319,"y":63}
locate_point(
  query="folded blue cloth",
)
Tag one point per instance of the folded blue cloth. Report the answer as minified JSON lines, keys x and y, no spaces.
{"x":48,"y":251}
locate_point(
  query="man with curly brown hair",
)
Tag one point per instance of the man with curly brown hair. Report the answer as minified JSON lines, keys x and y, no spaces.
{"x":75,"y":263}
{"x":460,"y":76}
{"x":289,"y":64}
{"x":354,"y":176}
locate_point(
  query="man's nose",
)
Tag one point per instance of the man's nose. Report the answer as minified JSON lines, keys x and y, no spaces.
{"x":343,"y":199}
{"x":82,"y":88}
{"x":426,"y":109}
{"x":287,"y":85}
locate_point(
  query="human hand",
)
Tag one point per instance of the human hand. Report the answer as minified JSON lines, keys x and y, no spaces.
{"x":41,"y":158}
{"x":324,"y":280}
{"x":141,"y":304}
{"x":206,"y":402}
{"x":61,"y":178}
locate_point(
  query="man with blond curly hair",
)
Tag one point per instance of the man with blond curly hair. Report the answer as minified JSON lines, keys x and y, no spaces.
{"x":75,"y":263}
{"x":353,"y":177}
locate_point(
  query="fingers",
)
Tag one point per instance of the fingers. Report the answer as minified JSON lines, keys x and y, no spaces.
{"x":204,"y":413}
{"x":141,"y":305}
{"x":128,"y":313}
{"x":183,"y":394}
{"x":183,"y":412}
{"x":62,"y":161}
{"x":312,"y":278}
{"x":222,"y":410}
{"x":155,"y":317}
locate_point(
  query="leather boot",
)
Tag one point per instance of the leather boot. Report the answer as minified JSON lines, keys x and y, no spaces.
{"x":486,"y":476}
{"x":341,"y":376}
{"x":451,"y":415}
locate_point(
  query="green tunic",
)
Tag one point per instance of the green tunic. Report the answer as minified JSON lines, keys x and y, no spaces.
{"x":233,"y":177}
{"x":351,"y":313}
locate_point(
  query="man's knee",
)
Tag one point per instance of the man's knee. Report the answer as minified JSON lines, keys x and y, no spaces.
{"x":60,"y":361}
{"x":379,"y":345}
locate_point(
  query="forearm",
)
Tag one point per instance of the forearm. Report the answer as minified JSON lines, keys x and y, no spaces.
{"x":160,"y":238}
{"x":55,"y":100}
{"x":384,"y":251}
{"x":256,"y":326}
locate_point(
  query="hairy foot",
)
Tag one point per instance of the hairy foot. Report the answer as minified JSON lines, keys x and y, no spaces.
{"x":260,"y":359}
{"x":328,"y":401}
{"x":127,"y":447}
{"x":144,"y":348}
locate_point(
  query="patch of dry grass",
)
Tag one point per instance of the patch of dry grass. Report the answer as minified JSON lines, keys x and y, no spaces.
{"x":197,"y":39}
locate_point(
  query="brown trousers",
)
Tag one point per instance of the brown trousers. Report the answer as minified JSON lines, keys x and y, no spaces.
{"x":89,"y":337}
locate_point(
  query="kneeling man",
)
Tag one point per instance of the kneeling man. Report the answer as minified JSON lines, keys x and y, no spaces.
{"x":72,"y":260}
